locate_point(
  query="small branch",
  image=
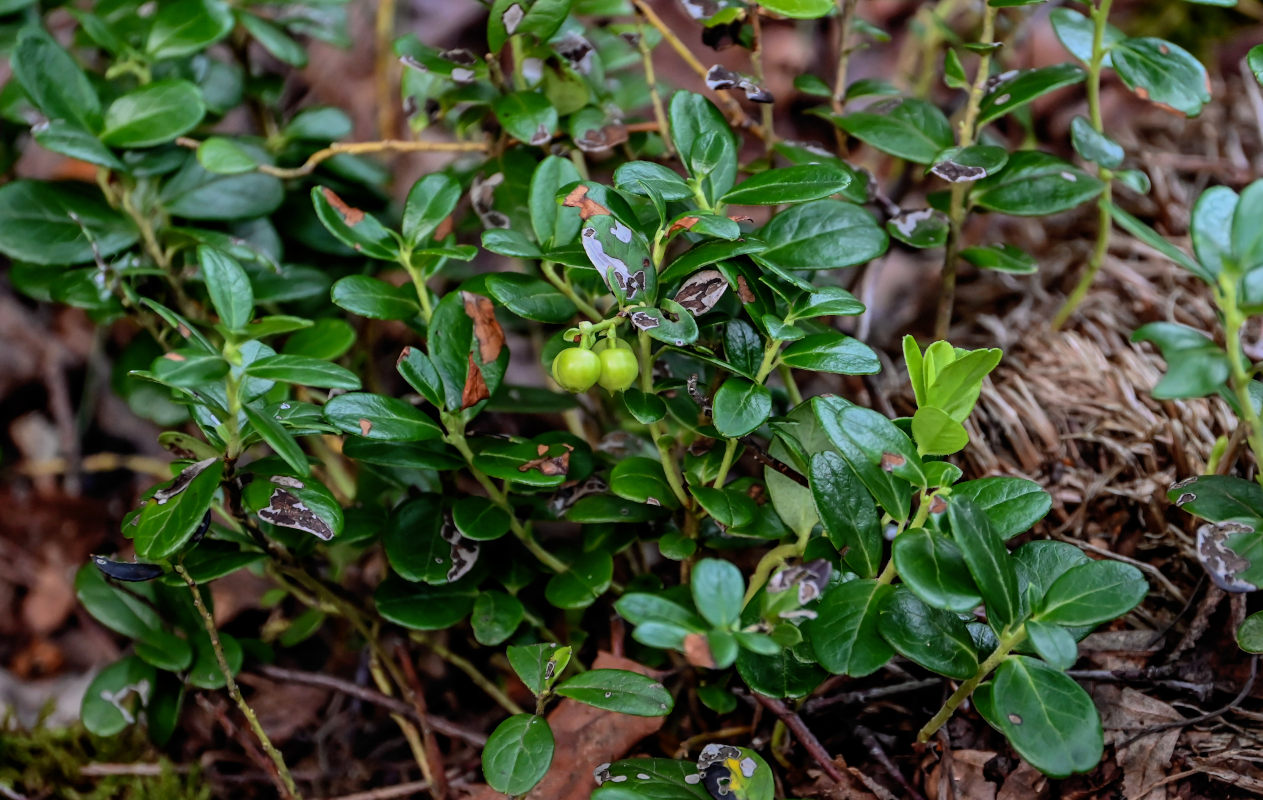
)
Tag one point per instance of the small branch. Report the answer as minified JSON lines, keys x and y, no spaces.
{"x":766,"y":110}
{"x":286,"y":783}
{"x":388,"y":792}
{"x":434,"y":757}
{"x":738,"y":114}
{"x":473,"y":673}
{"x":341,"y":148}
{"x":387,"y":102}
{"x":846,"y":12}
{"x":655,"y":97}
{"x":373,"y":697}
{"x":1246,"y":688}
{"x":803,"y":734}
{"x":1001,"y":652}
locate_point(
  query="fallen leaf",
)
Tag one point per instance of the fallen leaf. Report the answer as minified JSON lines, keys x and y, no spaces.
{"x":1146,"y":760}
{"x":966,"y":773}
{"x":586,"y":737}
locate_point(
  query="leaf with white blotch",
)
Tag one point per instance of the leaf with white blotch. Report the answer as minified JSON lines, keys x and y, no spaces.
{"x":702,"y":291}
{"x":621,"y":257}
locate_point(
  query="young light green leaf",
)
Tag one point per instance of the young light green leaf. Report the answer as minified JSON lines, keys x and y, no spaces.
{"x":1196,"y":365}
{"x":1002,"y":258}
{"x":182,"y":27}
{"x":1094,"y":145}
{"x":539,"y":665}
{"x":936,"y":433}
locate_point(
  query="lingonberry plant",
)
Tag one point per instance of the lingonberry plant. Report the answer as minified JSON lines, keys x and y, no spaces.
{"x":1228,"y":257}
{"x":676,"y":294}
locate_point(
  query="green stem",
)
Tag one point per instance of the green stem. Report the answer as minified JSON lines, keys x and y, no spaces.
{"x":725,"y":464}
{"x":549,"y":271}
{"x":669,"y":465}
{"x":456,"y":438}
{"x":209,"y":622}
{"x":767,"y":565}
{"x":965,"y":135}
{"x":791,"y":385}
{"x":1104,"y":224}
{"x":473,"y":672}
{"x":1005,"y":646}
{"x":418,"y":281}
{"x":770,"y":352}
{"x":1239,"y":370}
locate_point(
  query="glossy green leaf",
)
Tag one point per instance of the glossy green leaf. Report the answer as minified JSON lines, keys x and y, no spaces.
{"x":153,"y":114}
{"x":371,"y":297}
{"x":54,"y":81}
{"x":642,"y":480}
{"x":1050,"y":721}
{"x":415,"y":544}
{"x":422,"y":607}
{"x":375,"y":416}
{"x":224,"y":156}
{"x":847,"y":512}
{"x":934,"y":568}
{"x":797,"y":184}
{"x":540,"y":18}
{"x":1162,"y":72}
{"x":1094,"y":145}
{"x":303,"y":371}
{"x":1024,"y":87}
{"x":274,"y":39}
{"x":936,"y":433}
{"x":718,"y":589}
{"x":1250,"y":634}
{"x":845,"y":633}
{"x":619,"y":690}
{"x":480,"y":519}
{"x":495,"y":617}
{"x":822,"y":234}
{"x":354,"y":228}
{"x":1093,"y":593}
{"x":228,"y":285}
{"x":740,"y":407}
{"x":936,"y":639}
{"x":1247,"y":237}
{"x":530,"y":298}
{"x":68,"y":139}
{"x":1012,"y":505}
{"x":115,"y":697}
{"x":1000,"y":257}
{"x":1053,"y":643}
{"x":798,"y":9}
{"x":1218,"y":498}
{"x":272,"y":432}
{"x":989,"y":562}
{"x":58,"y":223}
{"x":1076,"y":32}
{"x":1196,"y":365}
{"x":168,"y":520}
{"x":183,"y":27}
{"x":831,"y":352}
{"x":588,"y":577}
{"x":1036,"y":184}
{"x":526,"y":116}
{"x":921,"y":228}
{"x":650,"y":179}
{"x":705,"y":143}
{"x":539,"y":665}
{"x":517,"y":754}
{"x":554,"y":224}
{"x":909,"y":128}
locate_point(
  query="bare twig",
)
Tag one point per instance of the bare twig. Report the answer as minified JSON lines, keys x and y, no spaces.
{"x":372,"y":696}
{"x":1246,"y":688}
{"x":819,"y":704}
{"x":804,"y":735}
{"x":434,"y":757}
{"x":388,"y":792}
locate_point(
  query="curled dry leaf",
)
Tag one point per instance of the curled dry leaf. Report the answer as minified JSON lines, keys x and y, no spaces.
{"x":475,"y":389}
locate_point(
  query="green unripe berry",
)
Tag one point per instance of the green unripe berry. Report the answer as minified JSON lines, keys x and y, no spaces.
{"x":576,"y":369}
{"x":619,"y":368}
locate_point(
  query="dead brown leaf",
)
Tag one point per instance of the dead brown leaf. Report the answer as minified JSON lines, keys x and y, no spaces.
{"x":1145,"y":761}
{"x":966,"y":772}
{"x":487,"y":331}
{"x":475,"y":390}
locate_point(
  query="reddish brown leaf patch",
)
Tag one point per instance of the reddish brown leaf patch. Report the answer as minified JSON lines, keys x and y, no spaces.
{"x":365,"y":426}
{"x":351,"y":216}
{"x":578,"y":198}
{"x":475,"y":390}
{"x":892,"y":461}
{"x":549,"y":465}
{"x":697,"y":651}
{"x":682,"y":224}
{"x":487,"y":330}
{"x":743,"y":290}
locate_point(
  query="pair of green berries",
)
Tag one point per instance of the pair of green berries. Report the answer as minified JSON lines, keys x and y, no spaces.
{"x":612,"y":364}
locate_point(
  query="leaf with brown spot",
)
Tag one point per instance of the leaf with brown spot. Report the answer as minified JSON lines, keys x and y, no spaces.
{"x":365,"y":426}
{"x":351,"y":216}
{"x":588,"y":208}
{"x":475,"y":390}
{"x":487,"y":331}
{"x":892,"y":461}
{"x":174,"y":356}
{"x":549,"y":465}
{"x":682,"y":224}
{"x":702,"y":291}
{"x":743,"y":290}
